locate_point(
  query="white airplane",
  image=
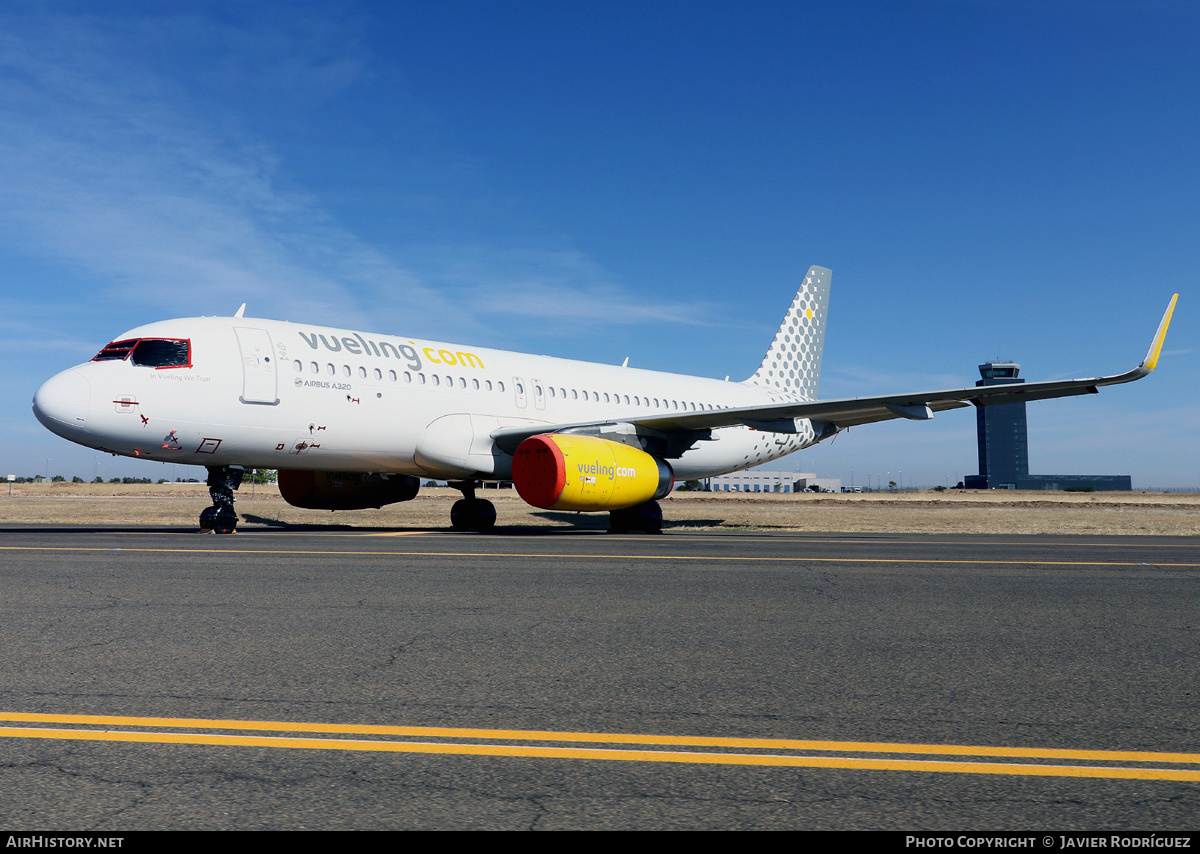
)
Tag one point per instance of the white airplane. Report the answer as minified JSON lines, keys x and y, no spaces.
{"x":353,"y":420}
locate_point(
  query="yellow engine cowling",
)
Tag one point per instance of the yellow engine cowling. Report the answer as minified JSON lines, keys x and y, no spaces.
{"x":339,"y":490}
{"x":558,"y":471}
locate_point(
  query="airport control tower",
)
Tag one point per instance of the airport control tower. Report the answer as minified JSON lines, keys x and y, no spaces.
{"x":1003,"y":432}
{"x":1004,"y":445}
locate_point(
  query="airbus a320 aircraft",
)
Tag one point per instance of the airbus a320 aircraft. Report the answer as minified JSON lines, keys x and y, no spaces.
{"x":354,"y":420}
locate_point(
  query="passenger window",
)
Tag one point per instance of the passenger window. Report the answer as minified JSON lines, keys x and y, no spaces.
{"x":298,"y":365}
{"x":421,"y":378}
{"x":315,"y":368}
{"x":488,"y":383}
{"x":500,"y":385}
{"x":475,"y":384}
{"x":345,"y":370}
{"x":362,"y":373}
{"x":162,"y":353}
{"x":330,"y":369}
{"x":379,"y":374}
{"x":436,"y":379}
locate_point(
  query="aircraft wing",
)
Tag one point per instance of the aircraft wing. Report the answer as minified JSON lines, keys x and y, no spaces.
{"x":834,"y":415}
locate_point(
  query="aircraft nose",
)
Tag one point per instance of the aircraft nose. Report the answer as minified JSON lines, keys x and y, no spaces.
{"x":63,"y":401}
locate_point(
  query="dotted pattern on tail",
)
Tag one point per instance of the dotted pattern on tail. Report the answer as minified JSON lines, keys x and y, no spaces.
{"x":792,"y":365}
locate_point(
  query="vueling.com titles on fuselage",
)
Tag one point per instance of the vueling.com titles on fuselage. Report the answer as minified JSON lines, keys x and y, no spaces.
{"x":356,"y":345}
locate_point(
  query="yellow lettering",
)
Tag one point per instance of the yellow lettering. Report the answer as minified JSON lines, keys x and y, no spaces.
{"x":429,"y":356}
{"x":470,"y":359}
{"x":447,"y":357}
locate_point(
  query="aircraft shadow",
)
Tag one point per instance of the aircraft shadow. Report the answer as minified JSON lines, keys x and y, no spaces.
{"x":599,"y":521}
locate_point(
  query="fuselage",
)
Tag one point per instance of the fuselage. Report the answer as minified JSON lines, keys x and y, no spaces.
{"x":218,"y":391}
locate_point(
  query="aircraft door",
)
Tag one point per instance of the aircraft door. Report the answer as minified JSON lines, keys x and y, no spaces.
{"x":258,"y":366}
{"x":539,"y":394}
{"x":519,"y":391}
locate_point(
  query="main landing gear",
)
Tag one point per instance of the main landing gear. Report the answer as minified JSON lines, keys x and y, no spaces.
{"x":470,"y":513}
{"x":646,"y":518}
{"x":222,"y":482}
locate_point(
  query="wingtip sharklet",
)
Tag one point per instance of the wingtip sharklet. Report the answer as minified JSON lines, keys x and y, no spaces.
{"x":1151,"y":360}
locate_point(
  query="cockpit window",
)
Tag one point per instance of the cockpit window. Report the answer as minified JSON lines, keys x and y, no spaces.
{"x":162,"y":353}
{"x":150,"y":352}
{"x":116,"y":350}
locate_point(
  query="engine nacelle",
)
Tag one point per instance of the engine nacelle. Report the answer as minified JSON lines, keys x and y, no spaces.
{"x":559,"y":471}
{"x":344,"y":490}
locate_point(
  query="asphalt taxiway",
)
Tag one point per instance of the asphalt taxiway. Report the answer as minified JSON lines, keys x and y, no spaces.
{"x":158,"y":678}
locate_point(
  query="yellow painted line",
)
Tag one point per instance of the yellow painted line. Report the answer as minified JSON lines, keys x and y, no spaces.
{"x":607,"y":738}
{"x":560,"y":556}
{"x":512,"y":750}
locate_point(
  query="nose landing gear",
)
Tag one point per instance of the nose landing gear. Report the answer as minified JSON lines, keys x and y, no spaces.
{"x":221,"y":518}
{"x":470,"y":513}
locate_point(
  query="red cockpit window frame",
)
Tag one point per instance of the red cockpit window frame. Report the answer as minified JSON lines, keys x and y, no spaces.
{"x":117,"y":351}
{"x":128,"y":345}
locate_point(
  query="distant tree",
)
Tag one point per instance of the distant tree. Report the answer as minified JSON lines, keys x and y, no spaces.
{"x":58,"y":478}
{"x":76,"y":479}
{"x":97,"y":479}
{"x":265,"y":476}
{"x":690,"y":486}
{"x":891,"y":484}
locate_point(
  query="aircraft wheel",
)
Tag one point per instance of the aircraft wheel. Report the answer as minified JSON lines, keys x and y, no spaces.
{"x":473,"y":514}
{"x":207,"y":520}
{"x":650,"y":517}
{"x":644,"y":517}
{"x":225,"y":521}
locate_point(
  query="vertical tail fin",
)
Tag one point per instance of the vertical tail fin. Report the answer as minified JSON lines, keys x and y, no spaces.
{"x":793,"y":361}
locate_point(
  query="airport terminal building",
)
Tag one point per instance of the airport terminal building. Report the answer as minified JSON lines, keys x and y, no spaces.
{"x":1003,"y":437}
{"x":760,"y":480}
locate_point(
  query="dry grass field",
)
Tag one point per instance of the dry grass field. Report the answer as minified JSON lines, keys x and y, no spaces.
{"x":909,"y":512}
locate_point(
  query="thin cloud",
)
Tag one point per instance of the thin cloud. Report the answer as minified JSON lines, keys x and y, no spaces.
{"x":110,"y":168}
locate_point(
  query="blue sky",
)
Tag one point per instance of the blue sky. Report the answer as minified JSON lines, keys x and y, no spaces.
{"x":995,"y":178}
